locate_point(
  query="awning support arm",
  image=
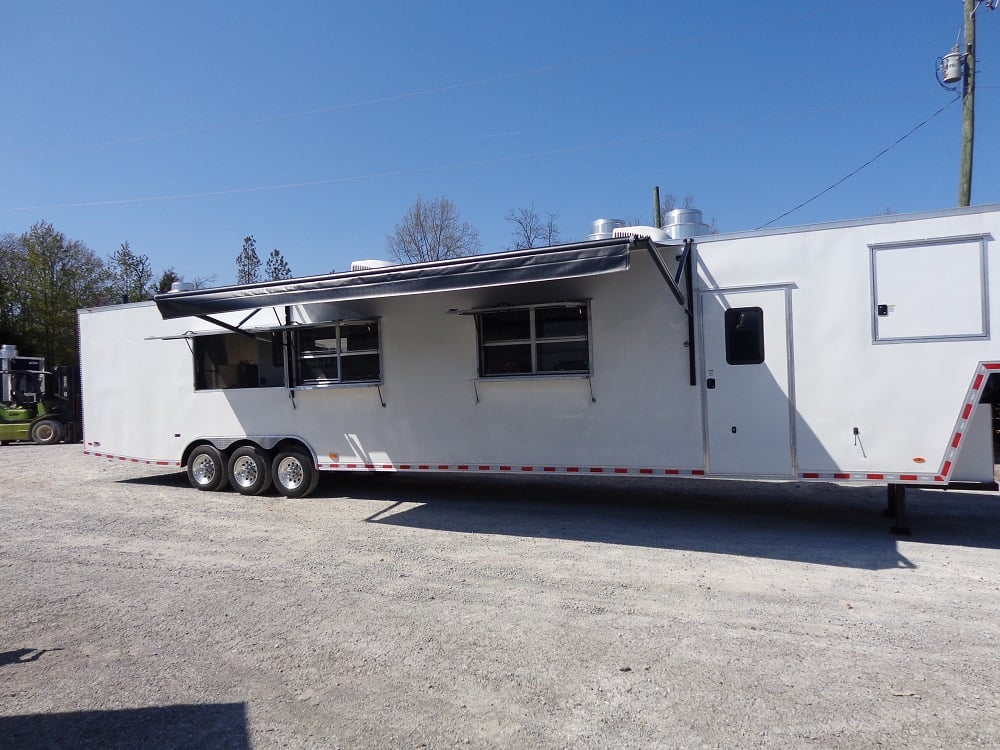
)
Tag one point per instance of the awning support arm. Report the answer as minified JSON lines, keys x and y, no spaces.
{"x":230,"y":326}
{"x":254,"y":312}
{"x":684,"y":272}
{"x":689,"y":284}
{"x":682,"y":264}
{"x":662,"y":268}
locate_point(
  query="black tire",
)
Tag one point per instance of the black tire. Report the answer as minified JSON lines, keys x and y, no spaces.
{"x":206,"y":469}
{"x":249,"y":470}
{"x":294,"y":473}
{"x":46,"y":432}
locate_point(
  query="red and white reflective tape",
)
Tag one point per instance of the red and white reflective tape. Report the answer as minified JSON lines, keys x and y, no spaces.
{"x":512,"y":468}
{"x":870,"y":476}
{"x":132,"y":459}
{"x":972,"y":397}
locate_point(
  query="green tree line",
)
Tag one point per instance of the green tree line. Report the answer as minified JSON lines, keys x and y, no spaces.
{"x":45,"y":277}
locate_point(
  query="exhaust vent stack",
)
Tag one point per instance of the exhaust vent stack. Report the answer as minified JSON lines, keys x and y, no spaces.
{"x":604,"y":229}
{"x":684,"y":223}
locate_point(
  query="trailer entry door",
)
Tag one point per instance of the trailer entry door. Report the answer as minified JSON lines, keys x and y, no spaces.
{"x":748,"y":394}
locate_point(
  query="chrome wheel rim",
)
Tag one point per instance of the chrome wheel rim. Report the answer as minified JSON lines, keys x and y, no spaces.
{"x":203,"y":470}
{"x":245,"y":471}
{"x":290,"y":473}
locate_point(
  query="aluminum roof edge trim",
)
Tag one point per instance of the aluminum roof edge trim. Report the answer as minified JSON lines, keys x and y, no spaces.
{"x":845,"y":223}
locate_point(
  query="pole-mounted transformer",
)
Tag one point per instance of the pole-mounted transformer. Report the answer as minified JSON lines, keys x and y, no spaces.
{"x":951,"y":66}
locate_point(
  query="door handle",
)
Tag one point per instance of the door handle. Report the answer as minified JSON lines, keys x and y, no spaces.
{"x":710,"y":384}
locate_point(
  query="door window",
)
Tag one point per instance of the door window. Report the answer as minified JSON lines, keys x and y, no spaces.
{"x":744,"y":335}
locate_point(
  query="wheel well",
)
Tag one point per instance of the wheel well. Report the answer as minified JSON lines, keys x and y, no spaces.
{"x":243,"y":443}
{"x":294,"y":444}
{"x":197,"y":444}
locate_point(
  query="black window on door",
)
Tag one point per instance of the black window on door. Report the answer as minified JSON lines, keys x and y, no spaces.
{"x":744,"y":336}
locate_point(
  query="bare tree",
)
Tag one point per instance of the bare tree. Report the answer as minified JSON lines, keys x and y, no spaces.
{"x":669,"y":202}
{"x":530,"y":230}
{"x":432,"y":230}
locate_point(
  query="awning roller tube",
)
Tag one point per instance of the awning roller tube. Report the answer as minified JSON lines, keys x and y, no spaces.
{"x":474,"y":272}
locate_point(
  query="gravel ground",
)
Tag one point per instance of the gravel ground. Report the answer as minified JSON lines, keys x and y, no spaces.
{"x":427,"y":612}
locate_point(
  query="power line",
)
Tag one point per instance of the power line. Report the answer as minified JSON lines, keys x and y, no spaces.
{"x":334,"y":180}
{"x":419,"y":93}
{"x":877,"y":156}
{"x":730,"y":125}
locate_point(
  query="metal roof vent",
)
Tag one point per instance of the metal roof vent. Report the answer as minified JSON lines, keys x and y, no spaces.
{"x":370,"y":265}
{"x":604,"y":229}
{"x":683,"y":223}
{"x":181,"y":286}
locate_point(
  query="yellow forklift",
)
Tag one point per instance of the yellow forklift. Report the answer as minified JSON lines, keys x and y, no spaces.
{"x":36,"y":404}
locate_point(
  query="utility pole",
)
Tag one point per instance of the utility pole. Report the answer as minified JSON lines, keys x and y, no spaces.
{"x":657,"y":216}
{"x":968,"y":103}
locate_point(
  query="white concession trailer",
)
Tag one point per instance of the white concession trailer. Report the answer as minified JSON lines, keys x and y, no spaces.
{"x":858,"y":351}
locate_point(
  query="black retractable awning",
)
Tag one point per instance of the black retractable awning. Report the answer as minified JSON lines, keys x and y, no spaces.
{"x":517,"y":267}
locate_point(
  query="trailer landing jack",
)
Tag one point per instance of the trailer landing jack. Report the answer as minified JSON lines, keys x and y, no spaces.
{"x":896,"y":510}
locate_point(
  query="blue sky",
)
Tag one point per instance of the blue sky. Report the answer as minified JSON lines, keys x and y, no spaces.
{"x":182,"y":127}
